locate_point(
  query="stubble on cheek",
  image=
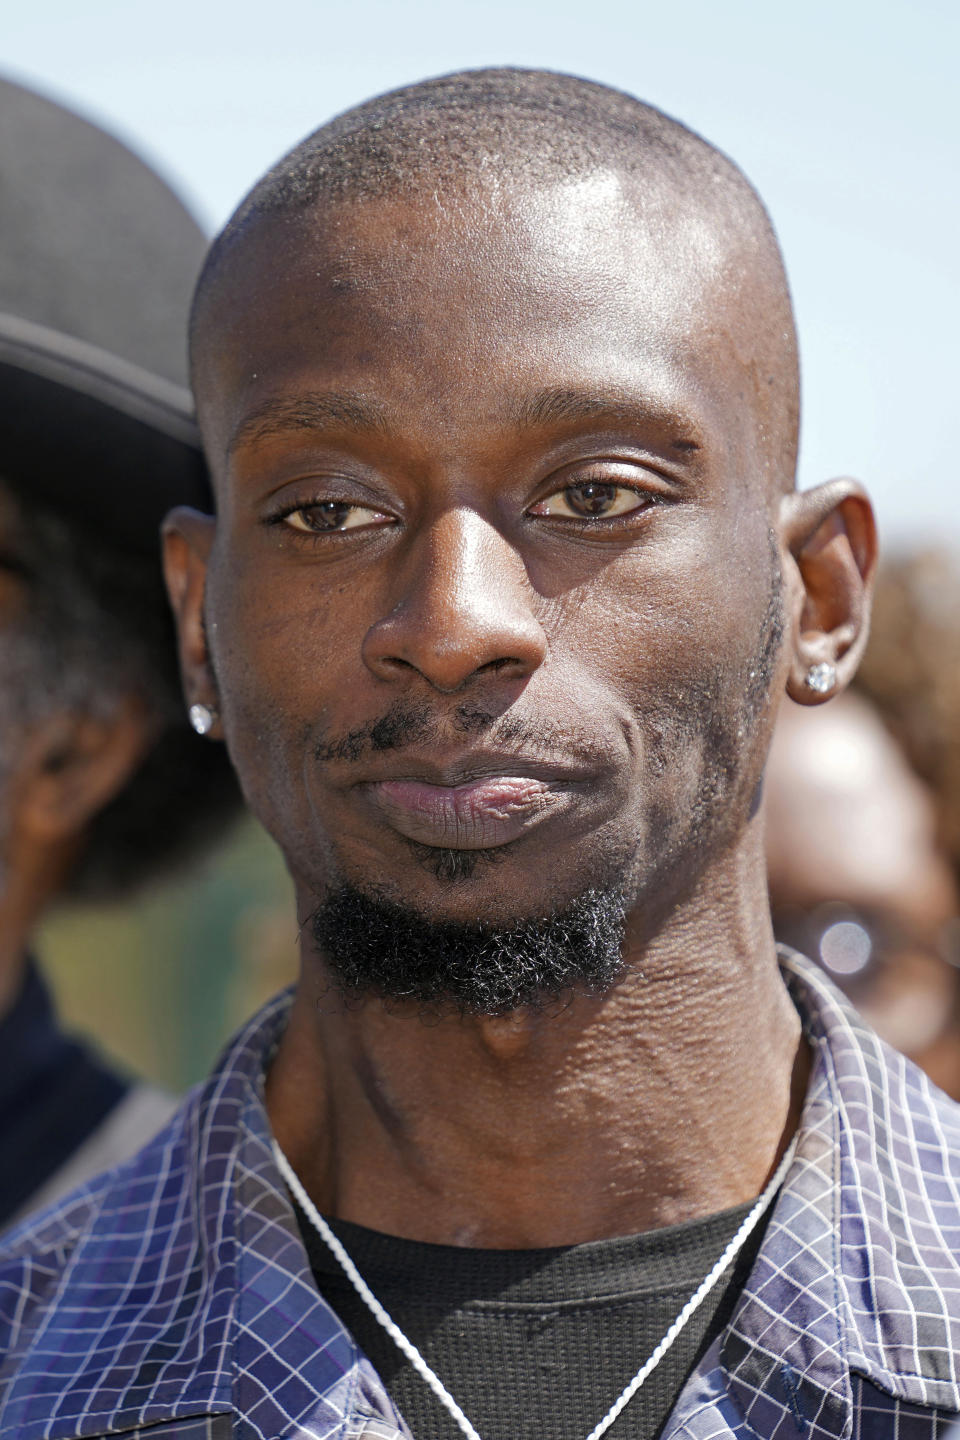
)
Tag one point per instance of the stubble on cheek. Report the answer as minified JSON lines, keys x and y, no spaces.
{"x":699,"y":732}
{"x":265,"y":670}
{"x":732,"y":708}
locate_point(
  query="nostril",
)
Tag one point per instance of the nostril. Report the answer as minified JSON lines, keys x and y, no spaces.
{"x":446,"y":673}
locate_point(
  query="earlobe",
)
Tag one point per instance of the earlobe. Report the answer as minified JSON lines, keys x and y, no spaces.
{"x":830,"y":535}
{"x":188,"y":538}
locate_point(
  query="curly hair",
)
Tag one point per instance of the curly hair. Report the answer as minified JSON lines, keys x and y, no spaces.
{"x":97,"y":628}
{"x":911,"y":673}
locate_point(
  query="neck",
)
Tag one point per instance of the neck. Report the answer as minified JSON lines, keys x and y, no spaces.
{"x":669,"y":1098}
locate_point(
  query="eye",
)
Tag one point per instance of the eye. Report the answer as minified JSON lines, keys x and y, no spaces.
{"x":592,"y":501}
{"x":322,"y":517}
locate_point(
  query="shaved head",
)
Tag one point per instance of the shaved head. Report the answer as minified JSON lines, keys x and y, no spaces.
{"x":479,"y":137}
{"x":530,"y":126}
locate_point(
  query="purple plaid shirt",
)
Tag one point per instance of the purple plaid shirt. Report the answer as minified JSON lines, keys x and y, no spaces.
{"x":173,"y":1298}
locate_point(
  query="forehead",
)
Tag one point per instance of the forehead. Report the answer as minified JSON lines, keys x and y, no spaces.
{"x":578,"y":282}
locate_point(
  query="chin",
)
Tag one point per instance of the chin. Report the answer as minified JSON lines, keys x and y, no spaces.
{"x":450,"y":886}
{"x":466,"y":957}
{"x":497,"y":887}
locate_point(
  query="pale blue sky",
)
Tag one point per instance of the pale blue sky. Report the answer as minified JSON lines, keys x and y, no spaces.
{"x":845,"y":115}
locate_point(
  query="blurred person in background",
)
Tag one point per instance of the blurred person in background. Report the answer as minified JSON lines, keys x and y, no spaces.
{"x":103,"y":786}
{"x":863,"y":821}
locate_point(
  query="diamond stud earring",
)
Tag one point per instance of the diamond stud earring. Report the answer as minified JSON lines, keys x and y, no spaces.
{"x":821,"y":678}
{"x":202,"y":718}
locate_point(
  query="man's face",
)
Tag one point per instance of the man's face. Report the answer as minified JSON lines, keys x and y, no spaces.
{"x":492,"y":605}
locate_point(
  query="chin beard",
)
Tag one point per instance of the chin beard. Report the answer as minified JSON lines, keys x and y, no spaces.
{"x":375,"y":948}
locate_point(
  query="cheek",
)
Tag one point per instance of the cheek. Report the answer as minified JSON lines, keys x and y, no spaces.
{"x":689,"y":643}
{"x":275,"y":632}
{"x":277,"y":651}
{"x":674,"y":620}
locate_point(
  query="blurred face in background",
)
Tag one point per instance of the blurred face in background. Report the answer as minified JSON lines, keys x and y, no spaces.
{"x":72,"y":727}
{"x":15,"y":663}
{"x":857,"y":880}
{"x":22,"y":687}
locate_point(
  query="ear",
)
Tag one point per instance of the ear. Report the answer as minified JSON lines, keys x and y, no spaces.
{"x":830,"y":535}
{"x":188,"y":539}
{"x":73,"y":764}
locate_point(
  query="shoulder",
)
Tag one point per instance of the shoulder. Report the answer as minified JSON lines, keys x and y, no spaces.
{"x":879,"y":1183}
{"x":98,"y":1287}
{"x":32,"y":1259}
{"x":38,"y":1253}
{"x":116,"y":1302}
{"x":138,"y":1116}
{"x":879,"y":1092}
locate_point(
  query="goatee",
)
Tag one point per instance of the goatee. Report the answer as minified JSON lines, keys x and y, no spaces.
{"x":376,"y":948}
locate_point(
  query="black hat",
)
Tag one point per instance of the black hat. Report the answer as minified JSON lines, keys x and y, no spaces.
{"x":98,"y":260}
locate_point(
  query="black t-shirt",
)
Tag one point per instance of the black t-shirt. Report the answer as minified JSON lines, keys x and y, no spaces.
{"x":536,"y":1341}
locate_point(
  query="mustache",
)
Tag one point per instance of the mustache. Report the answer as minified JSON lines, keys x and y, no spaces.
{"x":408,"y":724}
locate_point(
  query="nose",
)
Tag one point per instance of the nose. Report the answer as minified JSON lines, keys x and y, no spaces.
{"x":465,"y":607}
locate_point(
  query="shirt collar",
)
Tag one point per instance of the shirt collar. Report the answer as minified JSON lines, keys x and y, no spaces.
{"x":858,"y":1274}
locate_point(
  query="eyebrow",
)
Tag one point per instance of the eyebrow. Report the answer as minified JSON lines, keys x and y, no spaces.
{"x":557,"y":404}
{"x":323,"y":411}
{"x":346,"y":410}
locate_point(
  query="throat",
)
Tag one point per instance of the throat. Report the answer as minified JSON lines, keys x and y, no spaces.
{"x":611,"y":1116}
{"x":508,"y":1040}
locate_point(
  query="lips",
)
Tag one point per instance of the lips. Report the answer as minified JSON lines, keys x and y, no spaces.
{"x":477,"y":814}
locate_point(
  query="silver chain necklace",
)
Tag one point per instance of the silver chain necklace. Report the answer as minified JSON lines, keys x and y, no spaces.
{"x":433,"y":1380}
